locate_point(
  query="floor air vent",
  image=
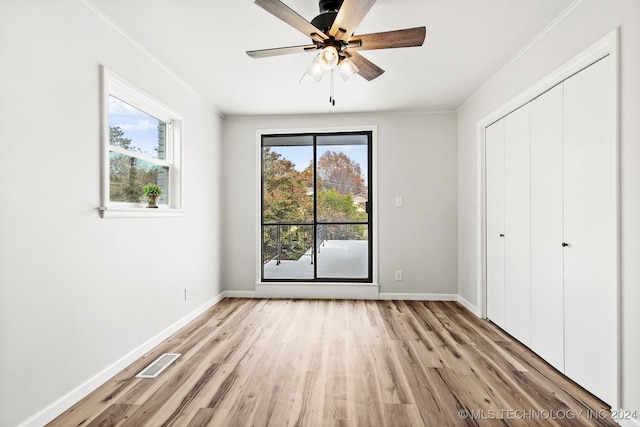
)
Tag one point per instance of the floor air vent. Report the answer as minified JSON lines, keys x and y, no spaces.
{"x":159,"y":365}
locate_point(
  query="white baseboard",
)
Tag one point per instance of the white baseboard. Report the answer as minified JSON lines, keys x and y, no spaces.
{"x":239,"y":294}
{"x":629,"y":422}
{"x":65,"y":402}
{"x":317,"y":290}
{"x":339,"y":291}
{"x":472,"y":308}
{"x":417,"y":297}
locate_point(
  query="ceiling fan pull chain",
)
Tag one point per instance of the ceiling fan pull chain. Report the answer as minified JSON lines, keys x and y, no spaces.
{"x":332,"y":98}
{"x":331,"y":88}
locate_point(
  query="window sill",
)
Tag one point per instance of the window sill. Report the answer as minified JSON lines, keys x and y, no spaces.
{"x":139,"y":213}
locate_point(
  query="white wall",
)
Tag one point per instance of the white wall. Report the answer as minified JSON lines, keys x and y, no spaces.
{"x":416,"y":160}
{"x":77,"y":292}
{"x":590,"y":21}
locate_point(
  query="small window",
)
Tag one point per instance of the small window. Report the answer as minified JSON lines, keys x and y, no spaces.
{"x":141,"y":147}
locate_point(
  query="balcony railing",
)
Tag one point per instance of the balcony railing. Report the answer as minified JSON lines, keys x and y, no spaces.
{"x":291,"y":241}
{"x":290,"y":252}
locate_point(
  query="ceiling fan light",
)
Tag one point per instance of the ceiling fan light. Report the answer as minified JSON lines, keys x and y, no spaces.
{"x":316,"y":70}
{"x":329,"y":57}
{"x":347,"y":69}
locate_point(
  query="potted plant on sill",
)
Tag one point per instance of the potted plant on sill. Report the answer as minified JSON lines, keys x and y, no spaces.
{"x":152,"y":192}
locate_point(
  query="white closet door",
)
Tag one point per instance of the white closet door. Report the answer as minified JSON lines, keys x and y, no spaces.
{"x":590,"y":230}
{"x":517,"y":225}
{"x":494,"y":139}
{"x":547,"y":316}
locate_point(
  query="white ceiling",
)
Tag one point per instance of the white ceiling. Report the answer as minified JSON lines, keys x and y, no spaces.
{"x":203,"y":42}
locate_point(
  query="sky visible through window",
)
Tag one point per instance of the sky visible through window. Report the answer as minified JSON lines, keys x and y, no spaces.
{"x":137,"y":125}
{"x":301,"y":156}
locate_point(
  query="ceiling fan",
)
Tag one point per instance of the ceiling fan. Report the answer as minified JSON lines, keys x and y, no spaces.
{"x":331,"y":33}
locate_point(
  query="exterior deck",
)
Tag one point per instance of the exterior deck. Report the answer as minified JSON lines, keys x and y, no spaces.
{"x":335,"y":259}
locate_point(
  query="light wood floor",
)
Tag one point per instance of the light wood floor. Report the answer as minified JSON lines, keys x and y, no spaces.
{"x":324,"y":362}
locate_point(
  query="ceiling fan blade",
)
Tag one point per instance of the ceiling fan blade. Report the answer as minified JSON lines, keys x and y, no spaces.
{"x":288,"y":15}
{"x":349,"y":16}
{"x":389,"y":39}
{"x":366,"y":68}
{"x":264,"y":53}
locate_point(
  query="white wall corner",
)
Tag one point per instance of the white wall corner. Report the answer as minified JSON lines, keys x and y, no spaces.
{"x":56,"y":408}
{"x":472,"y":308}
{"x":110,"y":22}
{"x":553,"y":24}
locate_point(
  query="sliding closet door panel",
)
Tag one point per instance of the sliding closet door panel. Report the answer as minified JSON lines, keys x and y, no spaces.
{"x":517,"y":225}
{"x":590,"y":230}
{"x":494,"y":138}
{"x":547,"y":317}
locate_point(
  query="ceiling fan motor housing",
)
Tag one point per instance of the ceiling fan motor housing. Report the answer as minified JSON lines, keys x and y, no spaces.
{"x":328,"y":12}
{"x":330,"y":5}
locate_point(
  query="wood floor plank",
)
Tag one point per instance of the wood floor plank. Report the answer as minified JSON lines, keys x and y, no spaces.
{"x":309,"y":401}
{"x":323,"y":363}
{"x":393,"y":384}
{"x":335,"y":394}
{"x":402,"y":415}
{"x":112,"y":415}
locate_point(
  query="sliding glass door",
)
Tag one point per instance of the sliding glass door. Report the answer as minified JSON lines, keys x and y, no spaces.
{"x":316,"y":222}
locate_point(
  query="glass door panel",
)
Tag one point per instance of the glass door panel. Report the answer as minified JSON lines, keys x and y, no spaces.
{"x":344,"y":253}
{"x":342,"y":165}
{"x":287,"y":179}
{"x":287,"y":251}
{"x":342,"y":177}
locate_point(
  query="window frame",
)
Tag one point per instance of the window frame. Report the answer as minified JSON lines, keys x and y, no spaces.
{"x":371,"y":132}
{"x":118,"y":87}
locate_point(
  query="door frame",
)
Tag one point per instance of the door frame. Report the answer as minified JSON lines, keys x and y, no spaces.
{"x":328,"y":289}
{"x":606,"y":46}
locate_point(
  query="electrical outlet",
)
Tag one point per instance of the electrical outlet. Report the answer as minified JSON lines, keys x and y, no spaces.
{"x":398,"y":274}
{"x":187,"y":293}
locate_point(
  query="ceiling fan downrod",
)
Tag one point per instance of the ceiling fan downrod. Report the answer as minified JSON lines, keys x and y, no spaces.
{"x":330,"y":5}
